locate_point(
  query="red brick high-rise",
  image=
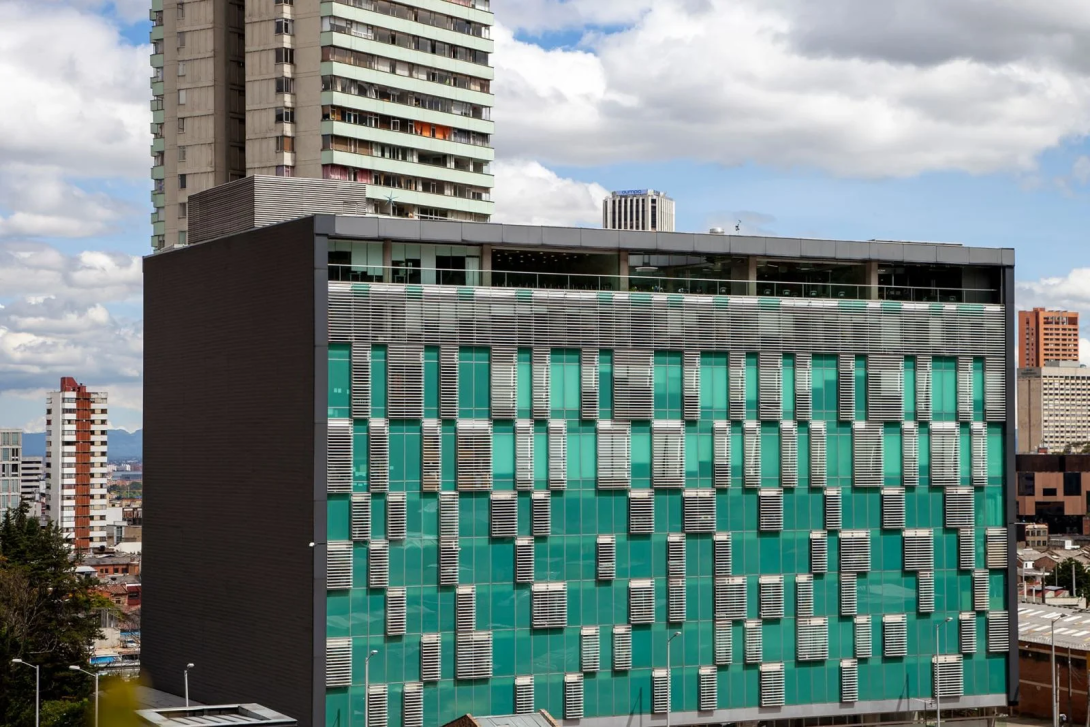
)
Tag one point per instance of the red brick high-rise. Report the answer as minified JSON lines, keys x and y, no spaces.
{"x":1047,"y":335}
{"x":76,"y":463}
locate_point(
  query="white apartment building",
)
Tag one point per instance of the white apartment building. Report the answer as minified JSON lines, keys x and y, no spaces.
{"x":644,"y":210}
{"x":76,"y":475}
{"x":32,"y":479}
{"x":11,"y":450}
{"x":1053,"y":407}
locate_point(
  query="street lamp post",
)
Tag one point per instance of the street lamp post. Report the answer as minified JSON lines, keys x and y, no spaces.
{"x":367,"y":685}
{"x":938,"y":653}
{"x":668,"y":679}
{"x":1052,"y":678}
{"x":37,"y":689}
{"x":185,"y":674}
{"x":90,"y":674}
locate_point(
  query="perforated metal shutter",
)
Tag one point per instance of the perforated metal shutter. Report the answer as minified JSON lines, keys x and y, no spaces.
{"x":866,"y":454}
{"x":845,"y":380}
{"x":524,"y":454}
{"x":614,"y":455}
{"x":885,"y":388}
{"x":589,"y":649}
{"x":910,"y":451}
{"x":754,"y":642}
{"x":541,"y":384}
{"x":378,"y":708}
{"x":691,"y":385}
{"x":855,"y":551}
{"x":465,"y":609}
{"x":541,"y":514}
{"x":730,"y":597}
{"x":804,"y":595}
{"x":660,"y":691}
{"x":751,"y":460}
{"x":737,"y":385}
{"x":818,"y":466}
{"x":675,"y":555}
{"x":378,"y":465}
{"x":999,"y":636}
{"x":558,"y":454}
{"x":772,"y":685}
{"x":473,"y":655}
{"x":965,"y":389}
{"x":361,"y":380}
{"x":396,"y":518}
{"x":967,"y":633}
{"x":549,"y":605}
{"x":966,"y":550}
{"x":448,"y":561}
{"x":668,"y":454}
{"x":945,"y":454}
{"x":995,"y":553}
{"x":849,"y":595}
{"x":771,"y":596}
{"x":448,"y":515}
{"x":980,"y":590}
{"x":723,"y":645}
{"x":894,"y":635}
{"x":833,"y":510}
{"x":641,"y":512}
{"x":361,"y":516}
{"x":675,"y":600}
{"x":813,"y":639}
{"x":819,"y":552}
{"x":771,"y":510}
{"x":431,"y":455}
{"x":395,"y":612}
{"x":722,"y":554}
{"x":412,"y":700}
{"x":504,"y":365}
{"x":849,"y":681}
{"x":789,"y":454}
{"x":698,"y":507}
{"x":804,"y":388}
{"x":770,"y":385}
{"x":524,"y":695}
{"x":925,"y":592}
{"x":339,"y":455}
{"x":978,"y":440}
{"x":919,"y":550}
{"x":504,"y":514}
{"x":378,"y":564}
{"x":405,"y":381}
{"x":948,"y":676}
{"x":524,"y":560}
{"x":573,"y":696}
{"x":448,"y":382}
{"x":721,"y":454}
{"x":959,"y":507}
{"x":338,"y":662}
{"x":338,"y":565}
{"x":923,"y":388}
{"x":893,"y":508}
{"x":864,"y":638}
{"x":995,"y":389}
{"x":588,"y":383}
{"x":622,"y":648}
{"x":430,"y":657}
{"x":633,"y":396}
{"x":607,"y":557}
{"x":709,"y":688}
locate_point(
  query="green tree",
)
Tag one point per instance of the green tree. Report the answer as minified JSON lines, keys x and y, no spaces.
{"x":1062,"y":577}
{"x":48,"y":617}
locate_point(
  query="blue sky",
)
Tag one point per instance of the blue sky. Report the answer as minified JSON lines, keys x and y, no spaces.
{"x":910,"y":119}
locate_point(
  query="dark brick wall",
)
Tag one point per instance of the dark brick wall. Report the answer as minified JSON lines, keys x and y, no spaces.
{"x":229,"y":469}
{"x":1034,"y":692}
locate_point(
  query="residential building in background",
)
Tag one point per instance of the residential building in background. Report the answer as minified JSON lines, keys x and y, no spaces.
{"x":1054,"y":489}
{"x":1032,"y":535}
{"x":75,"y":463}
{"x":395,"y":96}
{"x":1047,"y":337}
{"x":32,"y":485}
{"x":638,"y":209}
{"x":11,"y":455}
{"x":519,"y":486}
{"x":1054,"y":408}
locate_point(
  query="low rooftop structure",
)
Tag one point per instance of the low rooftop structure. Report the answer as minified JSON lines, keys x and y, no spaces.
{"x":541,"y":718}
{"x":239,"y":715}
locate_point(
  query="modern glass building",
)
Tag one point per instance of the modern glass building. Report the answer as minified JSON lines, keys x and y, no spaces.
{"x":604,"y":474}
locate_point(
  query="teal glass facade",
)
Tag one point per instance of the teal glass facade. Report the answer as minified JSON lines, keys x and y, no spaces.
{"x":489,"y":458}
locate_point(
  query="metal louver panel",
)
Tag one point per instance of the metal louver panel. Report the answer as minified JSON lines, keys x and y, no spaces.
{"x":573,"y":696}
{"x":504,"y":365}
{"x":641,"y":602}
{"x":448,"y":382}
{"x":524,"y":560}
{"x":845,"y":387}
{"x":339,"y":455}
{"x":721,"y":454}
{"x":849,"y":681}
{"x":338,"y":662}
{"x":708,"y":684}
{"x":978,"y":440}
{"x":948,"y":676}
{"x":723,"y":643}
{"x":919,"y":550}
{"x":770,"y":510}
{"x":772,"y":685}
{"x":965,"y":389}
{"x":361,"y":380}
{"x":995,"y":552}
{"x":751,"y":459}
{"x":541,"y":514}
{"x":770,"y":385}
{"x":813,"y":639}
{"x":549,"y":605}
{"x":448,"y":561}
{"x":980,"y":590}
{"x":614,"y":455}
{"x":864,"y":638}
{"x":396,"y":520}
{"x":504,"y":514}
{"x":448,"y":515}
{"x":995,"y":389}
{"x":675,"y":555}
{"x":691,"y":385}
{"x":722,"y":554}
{"x":542,"y":361}
{"x":524,"y":695}
{"x":607,"y":557}
{"x":474,"y":460}
{"x":945,"y":454}
{"x":412,"y":709}
{"x":910,"y":451}
{"x":804,"y":388}
{"x":622,"y":648}
{"x":925,"y":595}
{"x":633,"y":395}
{"x":405,"y":381}
{"x":885,"y":388}
{"x":641,"y":512}
{"x":818,"y":466}
{"x":378,"y":466}
{"x":967,"y":633}
{"x":849,"y":595}
{"x":588,"y":383}
{"x":771,"y":596}
{"x":378,"y":708}
{"x":833,"y":509}
{"x":894,"y":635}
{"x":675,"y":600}
{"x":893,"y":508}
{"x":730,"y":598}
{"x":338,"y":565}
{"x":855,"y":551}
{"x":737,"y":385}
{"x":789,"y":454}
{"x":804,"y":595}
{"x":660,"y":691}
{"x":430,"y":657}
{"x":819,"y":552}
{"x":959,"y":507}
{"x":473,"y":655}
{"x":589,"y":649}
{"x":923,"y":388}
{"x":378,"y":564}
{"x":431,"y":455}
{"x":361,"y":516}
{"x":558,"y":454}
{"x":999,"y":635}
{"x":754,"y":642}
{"x":966,"y":550}
{"x":866,"y":454}
{"x":524,"y":454}
{"x":395,"y":612}
{"x":698,"y":508}
{"x":668,"y":454}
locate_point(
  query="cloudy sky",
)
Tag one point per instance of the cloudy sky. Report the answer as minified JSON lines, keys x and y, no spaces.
{"x":945,"y":120}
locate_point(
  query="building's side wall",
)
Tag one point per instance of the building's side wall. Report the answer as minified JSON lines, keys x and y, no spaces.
{"x":1029,"y":413}
{"x":229,"y":462}
{"x":1035,"y":691}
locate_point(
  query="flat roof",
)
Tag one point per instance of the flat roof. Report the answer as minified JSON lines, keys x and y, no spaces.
{"x":237,"y":715}
{"x":1072,"y":625}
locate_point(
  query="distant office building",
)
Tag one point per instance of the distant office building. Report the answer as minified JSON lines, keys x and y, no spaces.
{"x":1047,"y":336}
{"x":11,"y":450}
{"x":1053,"y":408}
{"x":75,"y":463}
{"x":644,"y":210}
{"x":1032,"y":535}
{"x":32,"y":484}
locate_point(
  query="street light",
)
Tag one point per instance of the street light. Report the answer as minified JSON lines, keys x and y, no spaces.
{"x":668,"y":679}
{"x":37,"y":691}
{"x":367,"y":685}
{"x":90,"y":674}
{"x":1052,"y":677}
{"x":938,"y":652}
{"x":186,"y":675}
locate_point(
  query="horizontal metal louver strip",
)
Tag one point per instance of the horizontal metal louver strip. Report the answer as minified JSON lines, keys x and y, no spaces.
{"x":894,"y":635}
{"x":430,"y":657}
{"x":614,"y":455}
{"x":722,"y":554}
{"x":804,"y":595}
{"x":675,"y":555}
{"x":770,"y":589}
{"x":405,"y":381}
{"x":772,"y":685}
{"x":378,"y":708}
{"x":395,"y":612}
{"x":849,"y":595}
{"x":967,"y":633}
{"x":540,"y":514}
{"x":730,"y":598}
{"x":641,"y":512}
{"x":449,"y":515}
{"x":721,"y":454}
{"x":919,"y":554}
{"x":770,"y":510}
{"x":633,"y":394}
{"x":465,"y":608}
{"x":589,"y":649}
{"x":751,"y":456}
{"x":737,"y":385}
{"x":959,"y":507}
{"x":910,"y":452}
{"x":473,"y":655}
{"x":995,"y":388}
{"x":999,"y":636}
{"x":923,"y":388}
{"x":339,"y":455}
{"x":867,"y":461}
{"x":588,"y":386}
{"x":338,"y":662}
{"x":474,"y":454}
{"x":845,"y":377}
{"x":524,"y":560}
{"x":378,"y":564}
{"x":504,"y":374}
{"x":833,"y":509}
{"x":573,"y":696}
{"x":668,"y":454}
{"x":966,"y":551}
{"x":804,"y":387}
{"x":540,"y":394}
{"x":361,"y":516}
{"x":925,"y":595}
{"x":818,"y":466}
{"x":338,"y":565}
{"x":675,"y":600}
{"x":641,"y":602}
{"x":893,"y":508}
{"x":412,"y":709}
{"x":849,"y":681}
{"x":448,"y":381}
{"x":698,"y":511}
{"x":431,"y":455}
{"x":770,"y":385}
{"x":949,"y":678}
{"x":396,"y":516}
{"x":607,"y":557}
{"x":448,"y":561}
{"x":885,"y":388}
{"x":965,"y":389}
{"x":813,"y":639}
{"x":995,"y":552}
{"x":754,"y":641}
{"x":378,"y":465}
{"x":864,"y":639}
{"x":558,"y":454}
{"x":819,"y":552}
{"x":789,"y":454}
{"x":708,"y":686}
{"x":980,"y":590}
{"x":524,"y":454}
{"x":660,"y":691}
{"x":691,"y":385}
{"x":622,"y":648}
{"x":723,"y":645}
{"x":945,"y":454}
{"x":524,"y":695}
{"x":504,"y":514}
{"x":549,"y":605}
{"x":361,"y":380}
{"x":978,"y":440}
{"x":855,"y":551}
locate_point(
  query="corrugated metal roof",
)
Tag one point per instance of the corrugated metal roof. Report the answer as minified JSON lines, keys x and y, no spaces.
{"x":514,"y":720}
{"x":1072,"y":626}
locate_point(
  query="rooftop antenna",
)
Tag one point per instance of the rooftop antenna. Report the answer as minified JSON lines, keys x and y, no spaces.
{"x":390,"y":199}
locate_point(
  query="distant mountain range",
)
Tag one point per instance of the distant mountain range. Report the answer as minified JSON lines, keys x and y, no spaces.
{"x":119,"y":444}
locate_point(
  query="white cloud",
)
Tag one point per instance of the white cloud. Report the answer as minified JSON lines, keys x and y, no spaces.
{"x":45,"y":204}
{"x":34,"y":271}
{"x":528,"y":193}
{"x":1068,"y":292}
{"x":545,"y":15}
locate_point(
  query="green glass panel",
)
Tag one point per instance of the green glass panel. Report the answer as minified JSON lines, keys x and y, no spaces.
{"x":405,"y":449}
{"x":860,"y":388}
{"x":340,"y":381}
{"x":564,"y":371}
{"x":605,"y":384}
{"x":824,"y":380}
{"x":338,"y":615}
{"x":978,"y":389}
{"x":667,"y":383}
{"x":752,"y":386}
{"x":789,"y":387}
{"x":714,"y":386}
{"x":431,"y":382}
{"x":525,"y":382}
{"x":474,"y":383}
{"x":339,"y":514}
{"x":965,"y":454}
{"x":892,"y":455}
{"x":944,"y":389}
{"x":910,"y":388}
{"x":503,"y":455}
{"x":641,"y":455}
{"x":996,"y":454}
{"x":925,"y":454}
{"x":378,"y":382}
{"x":770,"y":454}
{"x":804,"y":454}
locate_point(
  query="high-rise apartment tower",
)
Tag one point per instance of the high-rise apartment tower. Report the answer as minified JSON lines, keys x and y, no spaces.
{"x":392,"y":95}
{"x":1047,"y":336}
{"x":75,"y":462}
{"x":524,"y":464}
{"x":32,"y":484}
{"x":644,"y":210}
{"x":11,"y":454}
